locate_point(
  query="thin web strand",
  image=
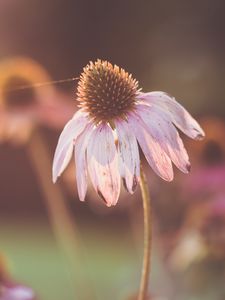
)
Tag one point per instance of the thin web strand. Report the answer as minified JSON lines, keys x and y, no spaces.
{"x":41,"y":84}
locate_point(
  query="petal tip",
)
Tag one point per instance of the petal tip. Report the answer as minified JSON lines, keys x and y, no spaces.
{"x":169,"y":178}
{"x":200,"y":136}
{"x":188,"y":167}
{"x":81,"y":195}
{"x":135,"y":183}
{"x":54,"y":178}
{"x":132,"y":189}
{"x":128,"y":189}
{"x":108,"y":203}
{"x":82,"y":199}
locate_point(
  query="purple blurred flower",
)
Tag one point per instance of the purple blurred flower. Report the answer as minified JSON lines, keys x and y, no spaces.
{"x":17,"y":292}
{"x":10,"y":289}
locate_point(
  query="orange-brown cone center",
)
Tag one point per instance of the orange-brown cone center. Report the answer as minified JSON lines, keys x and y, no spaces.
{"x":106,"y":91}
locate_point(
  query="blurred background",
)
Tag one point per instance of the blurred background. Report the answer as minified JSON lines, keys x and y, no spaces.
{"x":173,"y":46}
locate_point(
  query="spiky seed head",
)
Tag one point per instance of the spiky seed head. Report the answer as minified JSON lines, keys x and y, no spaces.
{"x":106,"y":92}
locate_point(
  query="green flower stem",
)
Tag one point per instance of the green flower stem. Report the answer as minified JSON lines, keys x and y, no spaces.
{"x":143,"y":290}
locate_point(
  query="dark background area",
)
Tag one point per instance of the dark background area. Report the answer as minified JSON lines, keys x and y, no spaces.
{"x":177,"y":46}
{"x":173,"y":46}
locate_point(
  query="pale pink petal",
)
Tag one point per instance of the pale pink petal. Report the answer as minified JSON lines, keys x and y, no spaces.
{"x":129,"y":161}
{"x":152,"y":149}
{"x":64,"y":147}
{"x":103,"y":168}
{"x":179,"y":116}
{"x":81,"y":160}
{"x":162,"y":130}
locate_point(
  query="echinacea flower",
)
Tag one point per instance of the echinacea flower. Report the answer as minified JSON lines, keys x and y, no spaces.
{"x":114,"y":118}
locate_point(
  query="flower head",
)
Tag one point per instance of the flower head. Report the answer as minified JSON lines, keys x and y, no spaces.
{"x":114,"y":118}
{"x":106,"y":91}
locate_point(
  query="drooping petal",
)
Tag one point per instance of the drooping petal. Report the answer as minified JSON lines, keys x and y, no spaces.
{"x":152,"y":149}
{"x":64,"y":147}
{"x":81,"y":160}
{"x":178,"y":114}
{"x":162,"y":130}
{"x":103,"y":168}
{"x":129,"y":161}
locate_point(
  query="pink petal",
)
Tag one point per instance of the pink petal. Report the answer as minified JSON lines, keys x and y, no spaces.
{"x":81,"y":161}
{"x":103,"y":164}
{"x":64,"y":147}
{"x":162,"y":130}
{"x":152,"y":149}
{"x":178,"y":115}
{"x":129,"y":161}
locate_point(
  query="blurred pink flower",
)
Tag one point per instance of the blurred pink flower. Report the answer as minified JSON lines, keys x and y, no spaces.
{"x":206,"y":179}
{"x":9,"y":289}
{"x":114,"y":117}
{"x":217,"y":207}
{"x":208,"y":176}
{"x":21,"y":110}
{"x":17,"y":292}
